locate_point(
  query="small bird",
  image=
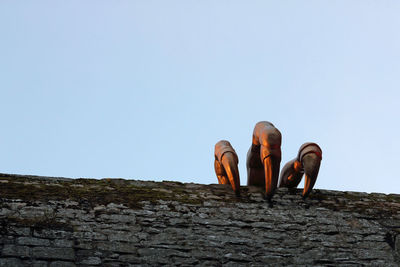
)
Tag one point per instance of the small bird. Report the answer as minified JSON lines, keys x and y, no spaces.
{"x":308,"y":161}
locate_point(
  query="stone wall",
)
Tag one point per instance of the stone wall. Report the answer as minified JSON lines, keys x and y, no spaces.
{"x":113,"y":222}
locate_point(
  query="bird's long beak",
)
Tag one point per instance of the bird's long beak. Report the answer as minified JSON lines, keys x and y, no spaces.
{"x":229,"y":161}
{"x":311,"y":163}
{"x":271,"y":168}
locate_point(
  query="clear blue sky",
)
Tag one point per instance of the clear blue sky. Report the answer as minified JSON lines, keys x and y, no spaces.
{"x":144,"y":89}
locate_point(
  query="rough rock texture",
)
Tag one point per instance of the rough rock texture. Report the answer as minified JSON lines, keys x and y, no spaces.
{"x":114,"y":222}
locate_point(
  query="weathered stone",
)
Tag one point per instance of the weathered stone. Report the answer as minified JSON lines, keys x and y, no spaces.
{"x":68,"y":213}
{"x":162,"y":252}
{"x":62,"y":264}
{"x":19,"y":231}
{"x":49,"y":233}
{"x":199,"y":225}
{"x":12,"y":250}
{"x":63,"y":243}
{"x":122,"y":236}
{"x":83,"y":244}
{"x":129,"y":258}
{"x":53,"y":253}
{"x":8,"y":262}
{"x":116,"y":247}
{"x":264,"y":225}
{"x":241,"y":257}
{"x":91,"y":261}
{"x":89,"y":235}
{"x":32,"y":241}
{"x":116,"y":206}
{"x":114,"y":256}
{"x":116,"y":218}
{"x":39,"y":263}
{"x":6,"y":240}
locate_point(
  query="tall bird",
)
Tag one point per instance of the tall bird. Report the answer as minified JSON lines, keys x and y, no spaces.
{"x":264,"y":157}
{"x":308,"y":161}
{"x":226,"y":165}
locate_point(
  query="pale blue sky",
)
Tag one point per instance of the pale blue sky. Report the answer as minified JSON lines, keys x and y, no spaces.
{"x":144,"y":89}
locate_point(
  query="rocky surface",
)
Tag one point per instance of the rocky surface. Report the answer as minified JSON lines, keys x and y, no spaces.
{"x":113,"y":222}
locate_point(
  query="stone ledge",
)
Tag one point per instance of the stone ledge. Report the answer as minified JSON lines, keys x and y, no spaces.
{"x":133,"y":193}
{"x":78,"y":222}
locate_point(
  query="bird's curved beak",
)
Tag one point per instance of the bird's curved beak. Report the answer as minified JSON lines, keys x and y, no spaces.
{"x":311,"y":163}
{"x":230,"y":163}
{"x":271,"y":168}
